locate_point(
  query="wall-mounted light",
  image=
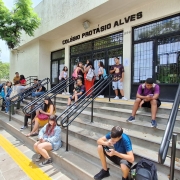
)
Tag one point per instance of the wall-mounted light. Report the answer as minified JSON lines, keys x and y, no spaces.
{"x":86,"y":24}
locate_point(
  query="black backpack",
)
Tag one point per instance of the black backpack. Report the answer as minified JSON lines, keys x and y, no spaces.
{"x":145,"y":170}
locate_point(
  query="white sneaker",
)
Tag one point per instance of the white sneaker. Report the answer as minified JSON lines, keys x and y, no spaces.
{"x":123,"y":98}
{"x":116,"y":98}
{"x":67,"y":93}
{"x":63,"y":93}
{"x":101,"y":96}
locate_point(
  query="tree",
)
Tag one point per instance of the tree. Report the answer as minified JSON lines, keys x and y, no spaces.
{"x":4,"y":70}
{"x":13,"y":23}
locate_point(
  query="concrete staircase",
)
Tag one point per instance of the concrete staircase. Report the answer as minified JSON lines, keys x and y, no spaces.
{"x":82,"y":161}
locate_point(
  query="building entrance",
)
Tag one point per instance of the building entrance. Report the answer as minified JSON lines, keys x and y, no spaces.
{"x":155,"y":53}
{"x":102,"y":49}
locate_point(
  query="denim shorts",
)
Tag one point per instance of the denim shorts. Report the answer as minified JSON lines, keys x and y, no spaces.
{"x":117,"y":85}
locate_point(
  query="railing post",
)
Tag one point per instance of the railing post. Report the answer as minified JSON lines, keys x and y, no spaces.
{"x":67,"y":131}
{"x":18,"y":105}
{"x":109,"y":91}
{"x":55,"y":100}
{"x":47,"y":84}
{"x":31,"y":121}
{"x":10,"y":110}
{"x":173,"y":156}
{"x":92,"y":108}
{"x":30,"y":80}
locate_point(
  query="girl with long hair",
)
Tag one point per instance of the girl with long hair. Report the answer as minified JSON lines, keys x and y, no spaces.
{"x":22,"y":80}
{"x":42,"y":116}
{"x":49,"y":139}
{"x":62,"y":77}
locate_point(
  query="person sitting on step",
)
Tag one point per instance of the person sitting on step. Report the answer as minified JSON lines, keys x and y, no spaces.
{"x":117,"y":147}
{"x":49,"y":139}
{"x":42,"y":116}
{"x":78,"y":91}
{"x":147,"y":96}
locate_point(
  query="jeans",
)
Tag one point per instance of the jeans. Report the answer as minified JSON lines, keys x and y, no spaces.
{"x":7,"y":104}
{"x":37,"y":94}
{"x":26,"y":117}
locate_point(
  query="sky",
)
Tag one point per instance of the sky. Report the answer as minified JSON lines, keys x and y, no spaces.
{"x":4,"y":51}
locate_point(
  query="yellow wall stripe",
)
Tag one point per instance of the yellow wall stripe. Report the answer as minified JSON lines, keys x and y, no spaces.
{"x":29,"y":167}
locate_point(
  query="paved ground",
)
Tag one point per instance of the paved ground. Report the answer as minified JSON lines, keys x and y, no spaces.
{"x":9,"y":168}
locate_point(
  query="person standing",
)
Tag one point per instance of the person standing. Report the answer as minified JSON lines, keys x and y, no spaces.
{"x":118,"y":76}
{"x":63,"y":77}
{"x":16,"y":78}
{"x":101,"y":74}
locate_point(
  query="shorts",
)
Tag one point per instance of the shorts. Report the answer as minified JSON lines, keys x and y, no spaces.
{"x":148,"y":104}
{"x":117,"y":85}
{"x":117,"y":160}
{"x":79,"y":97}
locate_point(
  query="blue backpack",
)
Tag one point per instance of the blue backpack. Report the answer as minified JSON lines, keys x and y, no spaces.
{"x":104,"y":74}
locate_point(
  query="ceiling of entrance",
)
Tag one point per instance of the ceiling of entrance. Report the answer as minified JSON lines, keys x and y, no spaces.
{"x":108,"y":10}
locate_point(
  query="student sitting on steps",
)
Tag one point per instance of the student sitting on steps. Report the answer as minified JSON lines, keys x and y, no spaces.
{"x":117,"y":147}
{"x":49,"y":139}
{"x":147,"y":96}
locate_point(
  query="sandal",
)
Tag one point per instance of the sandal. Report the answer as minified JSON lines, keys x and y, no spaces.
{"x":34,"y":134}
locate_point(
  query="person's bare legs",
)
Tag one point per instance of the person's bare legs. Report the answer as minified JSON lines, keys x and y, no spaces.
{"x":125,"y":170}
{"x":102,"y":157}
{"x":116,"y":92}
{"x":136,"y":106}
{"x":153,"y":108}
{"x":122,"y":92}
{"x":75,"y":98}
{"x":43,"y":148}
{"x":35,"y":147}
{"x":69,"y":101}
{"x":35,"y":128}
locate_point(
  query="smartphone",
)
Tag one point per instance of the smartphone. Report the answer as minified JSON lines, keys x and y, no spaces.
{"x":106,"y":148}
{"x":151,"y":95}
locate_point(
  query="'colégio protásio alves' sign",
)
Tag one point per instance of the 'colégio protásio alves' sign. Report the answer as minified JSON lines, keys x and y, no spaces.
{"x":120,"y":22}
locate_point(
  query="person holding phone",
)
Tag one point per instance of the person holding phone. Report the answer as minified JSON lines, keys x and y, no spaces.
{"x":49,"y":139}
{"x":147,"y":96}
{"x":117,"y":147}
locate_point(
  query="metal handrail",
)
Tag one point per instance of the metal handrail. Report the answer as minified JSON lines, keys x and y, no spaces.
{"x":92,"y":93}
{"x":29,"y":78}
{"x":169,"y":131}
{"x":26,"y":93}
{"x":58,"y":88}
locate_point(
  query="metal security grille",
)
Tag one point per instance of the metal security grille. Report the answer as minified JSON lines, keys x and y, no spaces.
{"x":98,"y":44}
{"x":168,"y":64}
{"x":162,"y":27}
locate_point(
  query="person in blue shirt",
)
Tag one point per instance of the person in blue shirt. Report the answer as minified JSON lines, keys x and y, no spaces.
{"x":117,"y":147}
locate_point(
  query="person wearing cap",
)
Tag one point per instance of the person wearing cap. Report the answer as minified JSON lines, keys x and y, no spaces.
{"x":49,"y":139}
{"x":16,"y":78}
{"x":117,"y":147}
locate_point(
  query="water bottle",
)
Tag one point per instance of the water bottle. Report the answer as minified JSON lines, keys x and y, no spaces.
{"x":133,"y":174}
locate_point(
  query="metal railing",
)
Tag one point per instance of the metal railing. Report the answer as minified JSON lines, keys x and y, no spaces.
{"x":85,"y":100}
{"x":27,"y":92}
{"x":52,"y":93}
{"x":168,"y":134}
{"x":30,"y":80}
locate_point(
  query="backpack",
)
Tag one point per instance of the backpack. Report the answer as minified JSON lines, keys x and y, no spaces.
{"x":104,"y":74}
{"x":75,"y":74}
{"x":145,"y":170}
{"x":90,"y":74}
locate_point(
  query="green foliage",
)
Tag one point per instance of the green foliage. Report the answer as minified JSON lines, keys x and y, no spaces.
{"x":13,"y":23}
{"x":4,"y":70}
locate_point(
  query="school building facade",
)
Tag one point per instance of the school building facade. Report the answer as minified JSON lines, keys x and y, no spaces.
{"x":144,"y":34}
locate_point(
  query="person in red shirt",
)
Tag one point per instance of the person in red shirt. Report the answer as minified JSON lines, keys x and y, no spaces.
{"x":22,"y":80}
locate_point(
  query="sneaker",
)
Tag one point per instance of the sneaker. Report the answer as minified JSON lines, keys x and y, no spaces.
{"x":6,"y":112}
{"x":116,"y":98}
{"x":102,"y":174}
{"x":67,"y":93}
{"x":22,"y":128}
{"x":39,"y":156}
{"x":63,"y":93}
{"x":101,"y":96}
{"x":131,"y":119}
{"x":73,"y":107}
{"x":46,"y":162}
{"x":153,"y":123}
{"x":124,"y":98}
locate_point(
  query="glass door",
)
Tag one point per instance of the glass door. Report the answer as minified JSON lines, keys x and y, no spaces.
{"x":54,"y":73}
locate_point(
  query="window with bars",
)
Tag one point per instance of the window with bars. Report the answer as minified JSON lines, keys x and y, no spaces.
{"x":98,"y":44}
